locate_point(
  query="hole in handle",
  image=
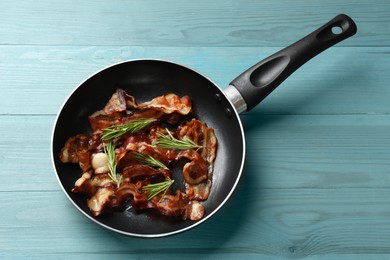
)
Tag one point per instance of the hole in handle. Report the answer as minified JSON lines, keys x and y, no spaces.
{"x":337,"y":29}
{"x":331,"y":32}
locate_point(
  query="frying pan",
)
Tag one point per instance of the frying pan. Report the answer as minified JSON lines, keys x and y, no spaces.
{"x":146,"y":79}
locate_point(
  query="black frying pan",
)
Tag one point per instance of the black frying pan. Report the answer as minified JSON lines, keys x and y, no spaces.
{"x":146,"y":79}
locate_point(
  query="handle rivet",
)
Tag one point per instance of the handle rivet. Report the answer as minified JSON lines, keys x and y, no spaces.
{"x":228,"y":112}
{"x":218,"y":97}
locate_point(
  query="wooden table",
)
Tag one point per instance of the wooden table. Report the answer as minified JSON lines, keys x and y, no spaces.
{"x":317,"y":178}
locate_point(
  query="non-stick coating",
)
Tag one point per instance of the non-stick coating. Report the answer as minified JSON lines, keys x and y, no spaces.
{"x":146,"y":79}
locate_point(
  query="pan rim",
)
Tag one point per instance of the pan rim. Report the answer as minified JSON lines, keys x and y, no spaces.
{"x":154,"y":235}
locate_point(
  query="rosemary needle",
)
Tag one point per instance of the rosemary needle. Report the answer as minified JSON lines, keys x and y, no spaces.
{"x":156,"y":188}
{"x":149,"y":160}
{"x":133,"y":126}
{"x":170,"y":142}
{"x":109,"y":150}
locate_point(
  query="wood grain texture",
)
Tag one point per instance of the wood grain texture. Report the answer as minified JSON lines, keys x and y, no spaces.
{"x":316,"y":181}
{"x":338,"y":81}
{"x":279,"y":223}
{"x":184,"y":23}
{"x":283,"y":151}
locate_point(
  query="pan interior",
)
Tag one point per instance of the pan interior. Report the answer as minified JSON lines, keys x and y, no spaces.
{"x":146,"y":79}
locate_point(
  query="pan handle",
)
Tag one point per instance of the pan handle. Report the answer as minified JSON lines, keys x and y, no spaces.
{"x":261,"y":79}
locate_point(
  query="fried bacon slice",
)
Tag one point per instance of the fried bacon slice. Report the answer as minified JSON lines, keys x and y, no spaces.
{"x":169,"y":104}
{"x":204,"y":136}
{"x":77,"y":149}
{"x":104,"y":195}
{"x":117,"y":103}
{"x":142,"y":171}
{"x":122,"y":108}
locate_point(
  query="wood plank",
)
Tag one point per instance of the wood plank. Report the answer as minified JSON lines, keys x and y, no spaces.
{"x":316,"y":183}
{"x":318,"y":151}
{"x":25,"y":155}
{"x":283,"y":223}
{"x":37,"y":79}
{"x":283,"y":151}
{"x":184,"y":23}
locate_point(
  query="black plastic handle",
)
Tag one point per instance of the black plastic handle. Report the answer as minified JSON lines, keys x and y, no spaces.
{"x":261,"y":79}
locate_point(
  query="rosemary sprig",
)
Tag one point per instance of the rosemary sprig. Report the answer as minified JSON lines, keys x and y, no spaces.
{"x":156,"y":188}
{"x":170,"y":142}
{"x":149,"y":160}
{"x":109,"y":150}
{"x":133,"y":126}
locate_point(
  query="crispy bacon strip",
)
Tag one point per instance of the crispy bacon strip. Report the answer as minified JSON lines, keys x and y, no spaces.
{"x":169,"y":104}
{"x":99,"y":120}
{"x":103,"y":193}
{"x":122,"y":108}
{"x":117,"y":103}
{"x":194,"y":211}
{"x":195,"y":171}
{"x":99,"y":200}
{"x":171,"y":205}
{"x":77,"y":149}
{"x":202,"y":135}
{"x":89,"y":184}
{"x":138,"y":171}
{"x":72,"y":146}
{"x":199,"y":191}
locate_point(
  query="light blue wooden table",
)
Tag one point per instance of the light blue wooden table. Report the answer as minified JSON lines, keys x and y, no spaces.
{"x":317,"y":178}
